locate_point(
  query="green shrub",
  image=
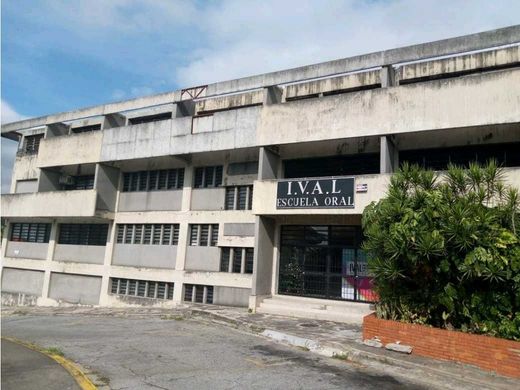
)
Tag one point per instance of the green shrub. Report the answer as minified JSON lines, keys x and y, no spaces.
{"x":444,"y":250}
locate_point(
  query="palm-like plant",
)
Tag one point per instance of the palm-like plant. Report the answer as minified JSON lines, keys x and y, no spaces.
{"x":445,"y":249}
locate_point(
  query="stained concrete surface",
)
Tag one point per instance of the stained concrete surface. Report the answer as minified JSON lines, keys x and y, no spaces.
{"x":146,"y":353}
{"x":23,"y":368}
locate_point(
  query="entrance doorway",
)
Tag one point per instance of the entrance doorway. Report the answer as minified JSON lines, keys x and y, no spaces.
{"x":324,"y":262}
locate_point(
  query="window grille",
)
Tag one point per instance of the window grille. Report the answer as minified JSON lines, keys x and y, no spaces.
{"x":233,"y":256}
{"x":83,"y":234}
{"x":156,"y":234}
{"x":31,"y":144}
{"x":224,"y":259}
{"x":214,"y":235}
{"x":84,"y":182}
{"x":198,"y":293}
{"x":206,"y":177}
{"x":249,"y":261}
{"x":239,"y":198}
{"x":165,"y":179}
{"x":203,"y":234}
{"x":141,"y":288}
{"x":30,"y":232}
{"x":237,"y":260}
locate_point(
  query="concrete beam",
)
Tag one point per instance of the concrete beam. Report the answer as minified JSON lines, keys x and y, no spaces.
{"x":57,"y":130}
{"x":479,"y":41}
{"x":389,"y":156}
{"x":268,"y":164}
{"x":113,"y":120}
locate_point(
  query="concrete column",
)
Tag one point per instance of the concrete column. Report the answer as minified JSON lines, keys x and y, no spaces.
{"x":113,"y":120}
{"x":53,"y":239}
{"x":269,"y":166}
{"x":389,"y":157}
{"x":107,"y":261}
{"x":184,"y":108}
{"x":107,"y":184}
{"x":186,"y":189}
{"x":49,"y":180}
{"x":263,"y":260}
{"x":388,"y":76}
{"x":273,"y":95}
{"x":56,"y":130}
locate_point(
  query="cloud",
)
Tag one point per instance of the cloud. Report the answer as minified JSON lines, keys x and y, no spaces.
{"x":273,"y":35}
{"x":172,"y":44}
{"x":8,"y":147}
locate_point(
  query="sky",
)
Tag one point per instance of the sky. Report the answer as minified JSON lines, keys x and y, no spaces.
{"x":59,"y":55}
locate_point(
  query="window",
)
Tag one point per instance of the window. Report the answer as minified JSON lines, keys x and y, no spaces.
{"x":85,"y":129}
{"x":204,"y":235}
{"x":150,"y":118}
{"x":31,"y":144}
{"x":83,"y":234}
{"x":235,"y":259}
{"x":206,"y":177}
{"x":156,"y":234}
{"x":84,"y":182}
{"x":198,"y":293}
{"x":165,"y":179}
{"x":239,"y":198}
{"x":141,"y":288}
{"x":30,"y":232}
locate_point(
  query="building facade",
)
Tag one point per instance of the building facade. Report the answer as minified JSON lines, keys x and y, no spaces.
{"x":247,"y":192}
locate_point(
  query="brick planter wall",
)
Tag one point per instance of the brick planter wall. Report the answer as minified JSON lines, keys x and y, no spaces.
{"x":489,"y":353}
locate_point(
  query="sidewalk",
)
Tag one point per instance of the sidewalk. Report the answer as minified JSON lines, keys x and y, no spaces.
{"x":332,"y":339}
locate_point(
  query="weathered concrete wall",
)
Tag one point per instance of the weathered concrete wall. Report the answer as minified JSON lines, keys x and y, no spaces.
{"x":75,"y":289}
{"x":106,"y":185}
{"x":458,"y":102}
{"x":208,"y":198}
{"x":24,"y":168}
{"x":27,"y":250}
{"x":145,"y":256}
{"x":202,"y":258}
{"x":231,"y":101}
{"x":351,"y":81}
{"x":263,"y":257}
{"x":26,"y":186}
{"x":150,"y":201}
{"x":81,"y":203}
{"x":460,"y":64}
{"x":231,"y":296}
{"x":239,"y":229}
{"x":72,"y":149}
{"x":92,"y":254}
{"x":22,"y":281}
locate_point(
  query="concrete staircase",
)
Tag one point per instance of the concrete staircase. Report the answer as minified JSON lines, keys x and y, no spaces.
{"x":317,"y":309}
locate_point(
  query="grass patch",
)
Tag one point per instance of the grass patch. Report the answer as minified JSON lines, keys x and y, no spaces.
{"x":303,"y":348}
{"x":54,"y":351}
{"x":20,"y":312}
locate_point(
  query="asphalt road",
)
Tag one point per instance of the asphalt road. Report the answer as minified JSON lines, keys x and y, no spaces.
{"x":152,"y":353}
{"x":23,"y":368}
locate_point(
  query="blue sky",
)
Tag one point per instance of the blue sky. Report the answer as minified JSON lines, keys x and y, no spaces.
{"x":59,"y":55}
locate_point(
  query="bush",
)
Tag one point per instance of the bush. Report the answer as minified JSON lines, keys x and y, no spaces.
{"x":444,"y":250}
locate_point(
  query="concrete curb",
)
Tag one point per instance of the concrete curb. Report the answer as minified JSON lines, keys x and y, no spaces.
{"x":426,"y":374}
{"x":79,"y":376}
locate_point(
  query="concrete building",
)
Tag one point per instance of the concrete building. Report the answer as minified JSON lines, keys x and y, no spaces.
{"x":200,"y":194}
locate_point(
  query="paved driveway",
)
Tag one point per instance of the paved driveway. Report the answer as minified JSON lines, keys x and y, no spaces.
{"x":153,"y":353}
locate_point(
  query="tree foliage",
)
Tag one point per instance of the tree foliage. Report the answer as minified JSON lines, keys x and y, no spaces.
{"x":444,"y":250}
